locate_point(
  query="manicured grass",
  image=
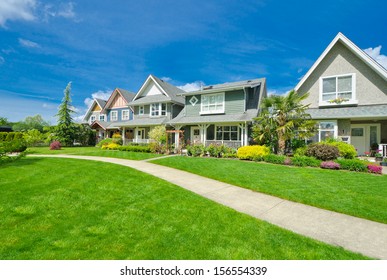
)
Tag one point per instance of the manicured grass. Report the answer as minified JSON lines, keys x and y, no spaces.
{"x":92,"y":151}
{"x":54,"y":208}
{"x":357,"y":194}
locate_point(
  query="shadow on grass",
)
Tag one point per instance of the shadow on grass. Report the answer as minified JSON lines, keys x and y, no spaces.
{"x":24,"y":161}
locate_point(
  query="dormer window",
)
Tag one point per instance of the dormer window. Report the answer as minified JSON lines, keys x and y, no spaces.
{"x":113,"y":116}
{"x":337,"y":90}
{"x":102,"y":118}
{"x":212,"y":103}
{"x":92,"y":118}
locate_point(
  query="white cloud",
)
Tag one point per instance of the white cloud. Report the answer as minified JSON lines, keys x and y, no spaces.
{"x":28,"y":43}
{"x":192,"y":86}
{"x":104,"y":95}
{"x":16,"y":10}
{"x":375,"y":54}
{"x":65,"y":10}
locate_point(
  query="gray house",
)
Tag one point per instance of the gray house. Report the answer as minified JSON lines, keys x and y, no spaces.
{"x":156,"y":103}
{"x":221,"y":114}
{"x":348,"y":96}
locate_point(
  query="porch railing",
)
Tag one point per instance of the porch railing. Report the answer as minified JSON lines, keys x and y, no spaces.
{"x":229,"y":143}
{"x":383,"y":149}
{"x":140,"y":141}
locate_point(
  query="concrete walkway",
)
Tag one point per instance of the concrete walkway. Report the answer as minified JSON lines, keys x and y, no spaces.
{"x":355,"y":234}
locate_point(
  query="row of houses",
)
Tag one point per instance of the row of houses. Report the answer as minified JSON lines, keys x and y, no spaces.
{"x":348,"y":98}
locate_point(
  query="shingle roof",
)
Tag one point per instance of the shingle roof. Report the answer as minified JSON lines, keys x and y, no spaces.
{"x":128,"y":95}
{"x":370,"y":111}
{"x":150,"y":99}
{"x":104,"y":125}
{"x":141,"y":122}
{"x":227,"y":86}
{"x":171,"y":90}
{"x":101,"y":102}
{"x":242,"y":117}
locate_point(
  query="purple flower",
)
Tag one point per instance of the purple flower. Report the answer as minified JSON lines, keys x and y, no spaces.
{"x":330,"y":165}
{"x":374,"y":169}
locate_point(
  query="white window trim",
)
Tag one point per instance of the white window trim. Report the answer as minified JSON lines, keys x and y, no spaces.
{"x":122,"y":115}
{"x":91,"y":118}
{"x":223,"y":125}
{"x":159,"y":110}
{"x":141,"y":110}
{"x":111,"y":116}
{"x":104,"y":117}
{"x":352,"y":101}
{"x":213,"y":111}
{"x":335,"y":129}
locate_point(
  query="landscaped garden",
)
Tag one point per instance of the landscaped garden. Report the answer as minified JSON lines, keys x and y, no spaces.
{"x":75,"y":209}
{"x":357,"y":194}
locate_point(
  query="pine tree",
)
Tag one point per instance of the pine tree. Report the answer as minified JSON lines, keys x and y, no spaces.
{"x":65,"y":129}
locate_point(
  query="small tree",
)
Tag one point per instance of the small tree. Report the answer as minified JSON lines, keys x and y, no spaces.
{"x":65,"y":130}
{"x":159,"y":136}
{"x":31,"y":122}
{"x":283,"y":118}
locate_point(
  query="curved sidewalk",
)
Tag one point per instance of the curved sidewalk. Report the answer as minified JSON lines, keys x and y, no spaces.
{"x":355,"y":234}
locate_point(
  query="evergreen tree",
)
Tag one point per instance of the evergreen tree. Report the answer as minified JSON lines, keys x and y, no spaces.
{"x":65,"y":130}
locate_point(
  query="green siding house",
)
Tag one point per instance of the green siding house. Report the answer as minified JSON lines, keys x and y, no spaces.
{"x":348,"y":96}
{"x":220,"y":114}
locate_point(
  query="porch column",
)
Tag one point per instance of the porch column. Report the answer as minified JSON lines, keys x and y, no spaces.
{"x":203,"y":132}
{"x":135,"y":134}
{"x":177,"y":136}
{"x":123,"y":136}
{"x":246,"y":136}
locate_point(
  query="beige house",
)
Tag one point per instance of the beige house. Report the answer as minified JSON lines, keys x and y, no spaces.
{"x":348,"y":96}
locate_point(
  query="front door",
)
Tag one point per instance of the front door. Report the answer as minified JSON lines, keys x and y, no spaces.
{"x":363,"y":136}
{"x":140,"y":134}
{"x":195,"y":135}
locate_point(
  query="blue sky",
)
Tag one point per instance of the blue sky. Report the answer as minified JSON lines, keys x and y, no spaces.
{"x":100,"y":45}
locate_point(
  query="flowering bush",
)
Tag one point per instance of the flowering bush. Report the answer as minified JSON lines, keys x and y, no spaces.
{"x":374,"y":169}
{"x":111,"y":146}
{"x":322,"y":151}
{"x":330,"y":165}
{"x":56,"y":145}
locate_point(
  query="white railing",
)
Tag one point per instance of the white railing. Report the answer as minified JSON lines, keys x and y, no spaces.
{"x":383,"y":149}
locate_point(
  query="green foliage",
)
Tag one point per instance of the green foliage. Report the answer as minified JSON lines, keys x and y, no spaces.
{"x":276,"y":159}
{"x":104,"y":141}
{"x":135,"y":148}
{"x":111,"y":146}
{"x":196,"y":150}
{"x":352,"y":165}
{"x":218,"y":151}
{"x":306,"y":161}
{"x":4,"y":121}
{"x":158,"y":137}
{"x":34,"y":137}
{"x":255,"y":152}
{"x":300,"y":151}
{"x":322,"y":151}
{"x":31,"y":122}
{"x":346,"y":150}
{"x":84,"y":135}
{"x":65,"y":130}
{"x":283,"y":117}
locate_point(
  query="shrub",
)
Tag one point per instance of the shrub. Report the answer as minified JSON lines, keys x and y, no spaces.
{"x":107,"y":141}
{"x":306,"y":161}
{"x":300,"y":151}
{"x":322,"y":151}
{"x":229,"y":155}
{"x":196,"y":150}
{"x":346,"y":150}
{"x":374,"y":169}
{"x":276,"y":159}
{"x":255,"y":152}
{"x":287,"y":161}
{"x":330,"y":165}
{"x":56,"y":145}
{"x":111,"y":146}
{"x":352,"y":165}
{"x":132,"y":148}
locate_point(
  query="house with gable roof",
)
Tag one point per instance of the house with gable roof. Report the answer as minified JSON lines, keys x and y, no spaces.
{"x":222,"y":113}
{"x":348,"y":96}
{"x":103,"y":116}
{"x":156,"y":103}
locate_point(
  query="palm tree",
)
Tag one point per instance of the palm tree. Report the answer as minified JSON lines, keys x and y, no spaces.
{"x":283,"y":118}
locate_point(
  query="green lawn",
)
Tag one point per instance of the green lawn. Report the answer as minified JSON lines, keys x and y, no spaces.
{"x":53,"y":208}
{"x":357,"y":194}
{"x":92,"y":151}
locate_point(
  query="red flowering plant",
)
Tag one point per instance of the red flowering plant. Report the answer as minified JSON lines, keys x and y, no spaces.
{"x":374,"y":169}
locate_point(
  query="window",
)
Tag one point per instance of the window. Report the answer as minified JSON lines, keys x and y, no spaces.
{"x":227,"y":133}
{"x":158,"y":109}
{"x":141,"y":110}
{"x":125,"y":115}
{"x":327,"y":129}
{"x":337,"y":90}
{"x":102,"y":118}
{"x":113,"y":116}
{"x":212,"y":103}
{"x":92,"y":118}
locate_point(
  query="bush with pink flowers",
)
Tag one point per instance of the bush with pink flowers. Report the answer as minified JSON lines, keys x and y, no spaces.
{"x":330,"y":165}
{"x":374,"y":169}
{"x":56,"y":145}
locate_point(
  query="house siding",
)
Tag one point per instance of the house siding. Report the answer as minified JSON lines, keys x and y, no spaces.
{"x":119,"y":111}
{"x":370,"y":88}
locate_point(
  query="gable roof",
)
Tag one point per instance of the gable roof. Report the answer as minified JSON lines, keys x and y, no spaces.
{"x":127,"y":95}
{"x":170,"y":91}
{"x":228,"y":86}
{"x":101,"y":103}
{"x":354,"y":49}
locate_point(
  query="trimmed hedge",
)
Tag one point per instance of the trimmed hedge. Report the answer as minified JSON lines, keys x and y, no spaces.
{"x":255,"y":152}
{"x":352,"y":165}
{"x":306,"y":161}
{"x":10,"y":136}
{"x":276,"y":159}
{"x":346,"y":150}
{"x":131,"y":148}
